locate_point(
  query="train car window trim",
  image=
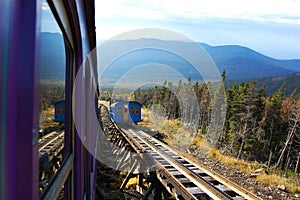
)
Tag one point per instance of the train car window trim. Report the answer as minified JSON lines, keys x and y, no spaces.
{"x":63,"y":175}
{"x":54,"y":189}
{"x":60,"y":14}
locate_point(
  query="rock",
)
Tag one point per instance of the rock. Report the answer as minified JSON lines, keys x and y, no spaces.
{"x":258,"y":193}
{"x":259,"y":171}
{"x":253,"y":175}
{"x":270,"y":197}
{"x":281,"y":187}
{"x":282,"y":194}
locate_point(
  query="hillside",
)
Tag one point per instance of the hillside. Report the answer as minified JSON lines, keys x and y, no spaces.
{"x":242,"y":62}
{"x":52,"y":59}
{"x":239,"y":62}
{"x":272,"y":84}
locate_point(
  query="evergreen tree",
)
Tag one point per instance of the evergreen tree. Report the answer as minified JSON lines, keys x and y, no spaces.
{"x":274,"y":128}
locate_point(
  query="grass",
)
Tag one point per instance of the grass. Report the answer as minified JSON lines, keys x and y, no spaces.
{"x":292,"y":185}
{"x":47,"y":117}
{"x":273,"y":178}
{"x":241,"y":165}
{"x":106,"y":103}
{"x":176,"y":136}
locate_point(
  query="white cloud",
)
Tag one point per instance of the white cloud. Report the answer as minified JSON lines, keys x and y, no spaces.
{"x":272,"y":10}
{"x":211,"y":21}
{"x":107,"y":31}
{"x":112,"y":9}
{"x":45,"y":6}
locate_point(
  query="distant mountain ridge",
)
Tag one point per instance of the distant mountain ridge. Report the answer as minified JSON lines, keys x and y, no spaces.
{"x":241,"y":62}
{"x":52,"y":57}
{"x":291,"y":82}
{"x":238,"y":61}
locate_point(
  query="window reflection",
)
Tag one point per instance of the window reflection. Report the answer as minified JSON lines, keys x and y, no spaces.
{"x":52,"y":98}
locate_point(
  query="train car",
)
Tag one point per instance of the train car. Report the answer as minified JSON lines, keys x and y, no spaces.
{"x":135,"y":111}
{"x":59,"y":111}
{"x":126,"y":111}
{"x":20,"y":35}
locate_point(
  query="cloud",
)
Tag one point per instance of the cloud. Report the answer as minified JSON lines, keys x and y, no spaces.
{"x":45,"y":6}
{"x":121,"y":8}
{"x":106,"y":30}
{"x":256,"y":24}
{"x":284,"y":11}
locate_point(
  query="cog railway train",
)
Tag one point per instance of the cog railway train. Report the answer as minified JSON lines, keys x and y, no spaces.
{"x":74,"y":176}
{"x":126,"y":111}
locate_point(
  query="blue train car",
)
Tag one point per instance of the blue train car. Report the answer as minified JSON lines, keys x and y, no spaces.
{"x":59,"y":111}
{"x":135,"y":111}
{"x":126,"y":111}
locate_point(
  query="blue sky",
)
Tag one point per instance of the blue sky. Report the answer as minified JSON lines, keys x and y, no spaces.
{"x":271,"y":27}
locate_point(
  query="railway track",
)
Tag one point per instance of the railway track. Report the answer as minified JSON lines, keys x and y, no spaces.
{"x":196,"y":178}
{"x":50,"y":156}
{"x":183,"y":177}
{"x":51,"y":144}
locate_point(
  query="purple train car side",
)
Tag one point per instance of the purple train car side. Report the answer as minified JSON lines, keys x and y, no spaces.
{"x":19,"y":100}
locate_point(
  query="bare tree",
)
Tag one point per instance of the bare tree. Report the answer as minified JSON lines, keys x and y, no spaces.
{"x":292,"y":141}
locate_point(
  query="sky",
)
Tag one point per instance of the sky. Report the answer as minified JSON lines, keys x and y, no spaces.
{"x":271,"y":27}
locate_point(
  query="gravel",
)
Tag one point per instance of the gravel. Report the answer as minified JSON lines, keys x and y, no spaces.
{"x":244,"y":180}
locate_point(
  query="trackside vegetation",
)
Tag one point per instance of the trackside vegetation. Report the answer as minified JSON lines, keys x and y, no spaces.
{"x":260,"y":130}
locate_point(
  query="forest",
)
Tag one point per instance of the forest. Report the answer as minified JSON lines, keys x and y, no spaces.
{"x":49,"y":95}
{"x":257,"y":127}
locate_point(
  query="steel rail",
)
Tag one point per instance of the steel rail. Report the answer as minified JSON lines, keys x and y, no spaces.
{"x":147,"y":148}
{"x":51,"y":140}
{"x":141,"y":151}
{"x":181,"y":189}
{"x":231,"y":185}
{"x":47,"y":135}
{"x":211,"y":191}
{"x":55,"y":149}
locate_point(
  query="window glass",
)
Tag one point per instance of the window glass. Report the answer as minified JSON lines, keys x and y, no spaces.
{"x":52,"y":98}
{"x":132,"y":110}
{"x":119,"y":110}
{"x":137,"y":110}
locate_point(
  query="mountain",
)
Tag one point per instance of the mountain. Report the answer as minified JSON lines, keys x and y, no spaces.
{"x":291,"y":83}
{"x":239,"y":62}
{"x":52,"y":57}
{"x":242,"y":62}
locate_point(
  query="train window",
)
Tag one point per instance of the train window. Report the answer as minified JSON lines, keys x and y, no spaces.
{"x":61,"y":110}
{"x":119,"y":110}
{"x":52,"y":98}
{"x":137,"y":110}
{"x":132,"y":110}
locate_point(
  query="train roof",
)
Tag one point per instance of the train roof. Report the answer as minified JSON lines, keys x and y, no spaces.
{"x":126,"y":102}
